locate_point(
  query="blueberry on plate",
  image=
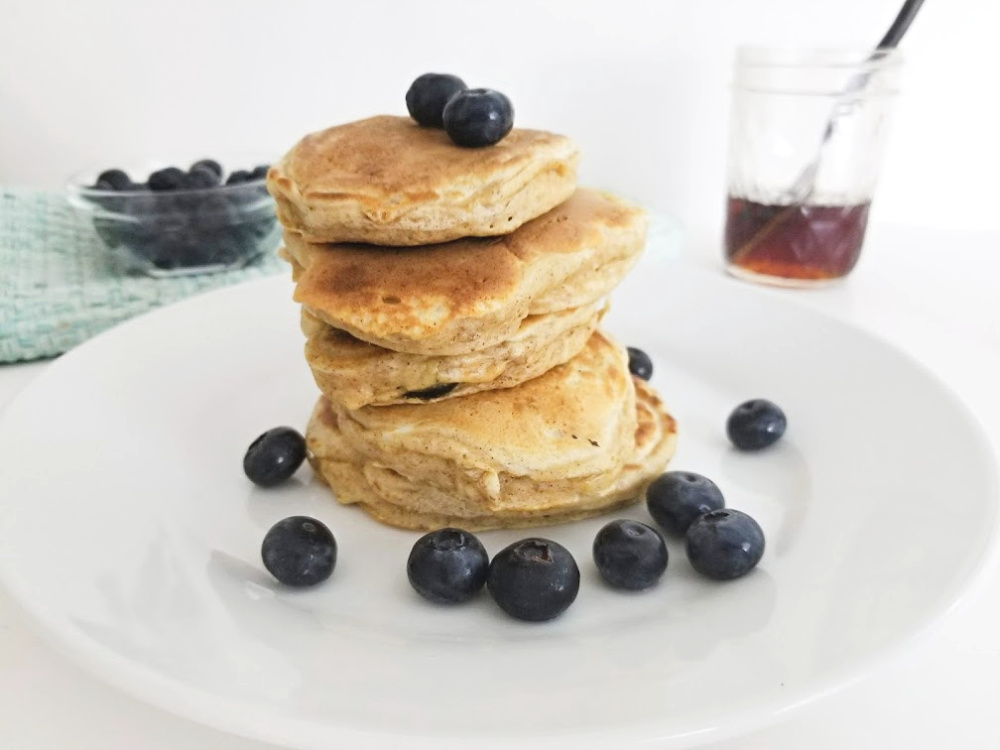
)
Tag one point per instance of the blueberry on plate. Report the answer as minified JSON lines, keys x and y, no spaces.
{"x":169,"y":178}
{"x":210,"y":164}
{"x":299,"y":551}
{"x":756,"y":424}
{"x":639,"y":363}
{"x":113,"y":179}
{"x":676,"y":498}
{"x":478,"y":117}
{"x":533,"y":579}
{"x":239,"y":177}
{"x":259,"y":172}
{"x":630,"y":555}
{"x":274,"y":456}
{"x":448,"y":566}
{"x":428,"y":95}
{"x":724,"y":544}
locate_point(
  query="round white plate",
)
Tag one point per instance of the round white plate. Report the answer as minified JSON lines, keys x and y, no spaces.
{"x":128,"y":530}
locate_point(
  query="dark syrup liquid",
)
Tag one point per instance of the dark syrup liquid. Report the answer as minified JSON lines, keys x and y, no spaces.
{"x":797,"y":241}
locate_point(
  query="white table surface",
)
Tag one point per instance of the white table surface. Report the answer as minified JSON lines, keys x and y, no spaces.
{"x":933,"y":294}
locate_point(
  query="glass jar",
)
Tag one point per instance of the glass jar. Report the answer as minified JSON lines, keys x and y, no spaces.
{"x":807,"y":132}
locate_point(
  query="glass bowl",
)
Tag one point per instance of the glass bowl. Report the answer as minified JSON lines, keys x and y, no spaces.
{"x":183,"y":230}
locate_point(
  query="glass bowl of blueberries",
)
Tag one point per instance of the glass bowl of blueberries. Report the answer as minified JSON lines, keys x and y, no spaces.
{"x":177,"y":221}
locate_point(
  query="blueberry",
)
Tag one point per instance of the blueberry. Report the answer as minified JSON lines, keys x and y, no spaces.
{"x":108,"y":198}
{"x":242,"y":195}
{"x":478,"y":117}
{"x":167,"y":239}
{"x":639,"y":363}
{"x":630,"y":555}
{"x":200,"y":178}
{"x":170,"y":178}
{"x":228,"y":246}
{"x":212,"y":213}
{"x":113,"y":179}
{"x":428,"y":96}
{"x":435,"y":391}
{"x":274,"y":456}
{"x":756,"y":424}
{"x":448,"y":566}
{"x":260,"y":171}
{"x":238,"y":177}
{"x":210,"y":164}
{"x":109,"y":232}
{"x":533,"y":579}
{"x":260,"y":228}
{"x":676,"y":498}
{"x":192,"y":253}
{"x":724,"y":544}
{"x":142,"y":239}
{"x":299,"y":551}
{"x":142,"y":202}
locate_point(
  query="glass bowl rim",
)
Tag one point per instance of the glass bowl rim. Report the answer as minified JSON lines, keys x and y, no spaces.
{"x":81,"y":182}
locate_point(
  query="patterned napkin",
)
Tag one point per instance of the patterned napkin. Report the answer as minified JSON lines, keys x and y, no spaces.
{"x":57,"y":287}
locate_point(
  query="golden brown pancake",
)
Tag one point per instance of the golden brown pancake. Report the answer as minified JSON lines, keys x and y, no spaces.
{"x":388,"y":181}
{"x":577,"y":441}
{"x":471,"y":294}
{"x":355,"y":373}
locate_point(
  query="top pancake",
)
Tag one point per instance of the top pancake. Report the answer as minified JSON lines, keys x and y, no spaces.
{"x":471,"y":294}
{"x":388,"y":181}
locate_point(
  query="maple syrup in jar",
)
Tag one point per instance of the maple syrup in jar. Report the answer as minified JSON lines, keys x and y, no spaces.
{"x":807,"y":131}
{"x":799,"y":242}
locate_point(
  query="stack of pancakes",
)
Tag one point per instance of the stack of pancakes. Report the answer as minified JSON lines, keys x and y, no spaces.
{"x":451,"y":299}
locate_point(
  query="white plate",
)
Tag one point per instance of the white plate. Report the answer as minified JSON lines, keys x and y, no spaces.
{"x":129,"y":532}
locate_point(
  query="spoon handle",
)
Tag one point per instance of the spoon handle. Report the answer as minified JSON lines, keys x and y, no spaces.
{"x":804,"y":185}
{"x":899,"y":26}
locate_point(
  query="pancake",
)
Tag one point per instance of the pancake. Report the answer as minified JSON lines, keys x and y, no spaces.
{"x":355,"y":373}
{"x":388,"y":181}
{"x":407,"y":504}
{"x":471,"y":294}
{"x":580,"y":440}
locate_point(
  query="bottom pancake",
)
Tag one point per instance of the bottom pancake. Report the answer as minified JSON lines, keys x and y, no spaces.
{"x":391,"y":498}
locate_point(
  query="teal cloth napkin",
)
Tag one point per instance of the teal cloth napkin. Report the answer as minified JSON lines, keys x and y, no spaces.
{"x":57,"y":288}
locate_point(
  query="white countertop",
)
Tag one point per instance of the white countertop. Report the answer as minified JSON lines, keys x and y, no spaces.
{"x":934,"y":294}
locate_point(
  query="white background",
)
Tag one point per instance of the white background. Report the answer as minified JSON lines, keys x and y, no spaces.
{"x":641,"y":84}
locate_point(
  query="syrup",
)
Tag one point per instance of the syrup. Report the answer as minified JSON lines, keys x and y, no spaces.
{"x":805,"y":242}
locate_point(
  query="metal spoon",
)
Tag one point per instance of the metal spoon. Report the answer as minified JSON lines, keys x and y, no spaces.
{"x":805,"y":183}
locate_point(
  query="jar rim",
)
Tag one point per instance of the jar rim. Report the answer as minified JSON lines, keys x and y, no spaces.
{"x":762,"y":56}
